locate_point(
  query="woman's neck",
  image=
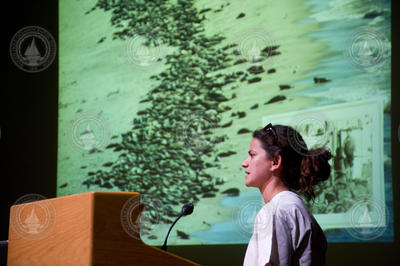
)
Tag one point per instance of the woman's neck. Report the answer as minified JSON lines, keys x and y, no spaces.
{"x":270,"y":189}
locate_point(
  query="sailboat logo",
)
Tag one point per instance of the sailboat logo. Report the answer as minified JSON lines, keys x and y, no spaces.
{"x":316,"y":130}
{"x":368,"y":219}
{"x":367,"y":49}
{"x":32,"y":217}
{"x":365,"y":53}
{"x":251,"y":215}
{"x":33,"y":49}
{"x":143,"y":55}
{"x":365,"y":217}
{"x":255,"y":46}
{"x":254,"y":52}
{"x":251,"y":48}
{"x":89,"y":131}
{"x":88,"y":139}
{"x":32,"y":55}
{"x":195,"y":130}
{"x":32,"y":224}
{"x":140,"y":215}
{"x":143,"y":51}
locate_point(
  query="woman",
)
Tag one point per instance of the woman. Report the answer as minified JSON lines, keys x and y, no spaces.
{"x":279,"y":165}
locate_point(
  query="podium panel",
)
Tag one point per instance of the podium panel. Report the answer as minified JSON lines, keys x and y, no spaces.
{"x":81,"y":229}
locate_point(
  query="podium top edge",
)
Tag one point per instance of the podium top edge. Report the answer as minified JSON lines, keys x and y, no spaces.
{"x":101,"y":192}
{"x":37,"y":197}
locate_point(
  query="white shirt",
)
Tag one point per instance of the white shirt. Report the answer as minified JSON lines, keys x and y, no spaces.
{"x":286,"y":233}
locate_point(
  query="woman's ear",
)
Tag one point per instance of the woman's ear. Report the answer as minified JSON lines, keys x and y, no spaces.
{"x":276,"y":162}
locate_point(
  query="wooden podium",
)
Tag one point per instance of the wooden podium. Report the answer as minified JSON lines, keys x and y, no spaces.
{"x":81,"y":229}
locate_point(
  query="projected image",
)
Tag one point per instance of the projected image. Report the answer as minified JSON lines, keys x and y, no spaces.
{"x":355,"y":141}
{"x":162,"y":97}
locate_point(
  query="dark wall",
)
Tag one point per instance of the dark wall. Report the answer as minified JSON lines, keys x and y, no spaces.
{"x":28,"y":118}
{"x":28,"y":143}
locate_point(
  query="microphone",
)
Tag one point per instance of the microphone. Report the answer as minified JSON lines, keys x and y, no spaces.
{"x":187,"y":209}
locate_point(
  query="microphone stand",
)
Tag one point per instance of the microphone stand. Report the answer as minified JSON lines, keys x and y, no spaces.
{"x":164,"y":247}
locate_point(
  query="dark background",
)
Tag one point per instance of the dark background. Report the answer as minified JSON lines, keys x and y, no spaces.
{"x":28,"y":143}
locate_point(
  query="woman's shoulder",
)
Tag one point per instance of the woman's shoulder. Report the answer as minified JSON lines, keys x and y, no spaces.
{"x":290,"y":205}
{"x":287,"y":199}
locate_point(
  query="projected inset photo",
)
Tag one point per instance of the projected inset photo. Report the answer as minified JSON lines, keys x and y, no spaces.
{"x":356,"y":143}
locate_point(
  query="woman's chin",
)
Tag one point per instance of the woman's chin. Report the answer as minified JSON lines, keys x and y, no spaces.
{"x":248,"y":183}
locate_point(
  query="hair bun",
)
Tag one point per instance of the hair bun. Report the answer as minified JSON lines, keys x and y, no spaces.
{"x":320,"y":153}
{"x":314,"y":169}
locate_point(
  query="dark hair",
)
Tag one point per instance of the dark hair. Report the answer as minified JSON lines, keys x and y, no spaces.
{"x":302,"y":168}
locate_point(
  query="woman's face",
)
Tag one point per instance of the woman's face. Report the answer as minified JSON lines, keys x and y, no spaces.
{"x":257,"y":165}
